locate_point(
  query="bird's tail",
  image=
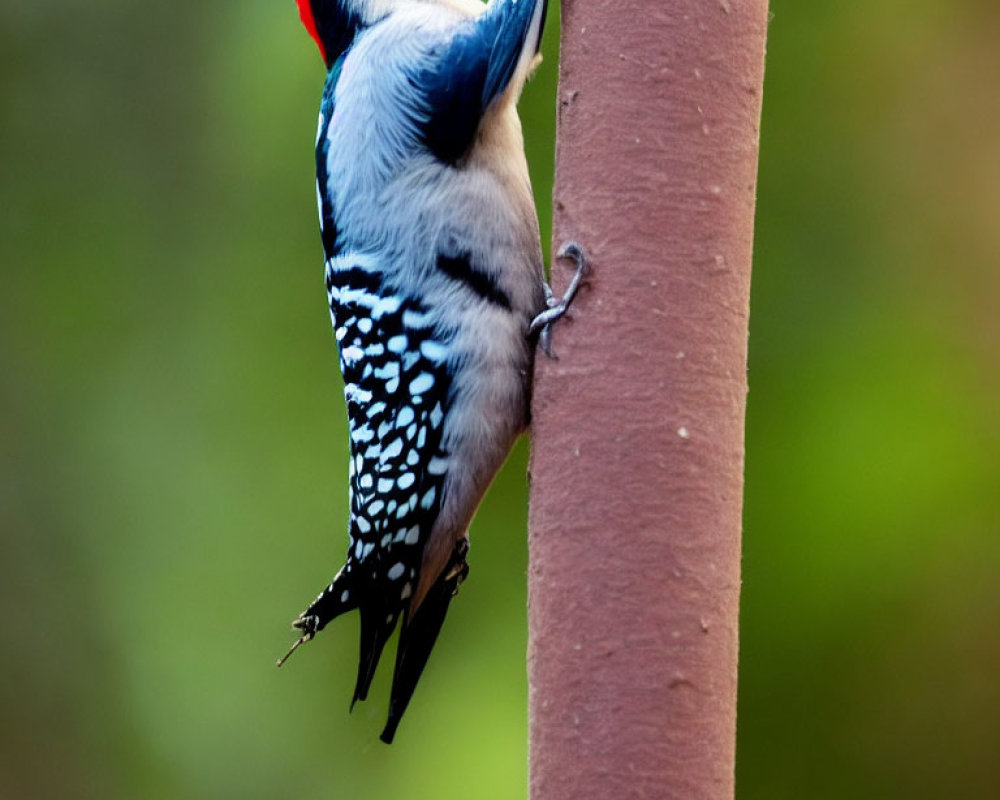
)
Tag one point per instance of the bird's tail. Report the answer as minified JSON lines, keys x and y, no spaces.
{"x":418,"y":635}
{"x":378,"y":620}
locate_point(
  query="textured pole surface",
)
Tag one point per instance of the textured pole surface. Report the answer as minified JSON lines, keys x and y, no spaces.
{"x":637,"y":462}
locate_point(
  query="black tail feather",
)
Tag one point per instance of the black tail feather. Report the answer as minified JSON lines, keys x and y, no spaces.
{"x":377,"y":625}
{"x":418,"y":637}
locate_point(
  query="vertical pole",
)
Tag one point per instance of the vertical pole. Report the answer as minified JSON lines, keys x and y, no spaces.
{"x":637,"y":462}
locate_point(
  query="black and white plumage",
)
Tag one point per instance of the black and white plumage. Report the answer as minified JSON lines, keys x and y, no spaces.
{"x":434,"y":275}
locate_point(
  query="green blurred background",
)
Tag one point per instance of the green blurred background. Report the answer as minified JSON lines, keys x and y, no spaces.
{"x":172,"y":441}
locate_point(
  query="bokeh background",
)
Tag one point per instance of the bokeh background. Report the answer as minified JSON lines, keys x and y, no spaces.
{"x":172,"y":441}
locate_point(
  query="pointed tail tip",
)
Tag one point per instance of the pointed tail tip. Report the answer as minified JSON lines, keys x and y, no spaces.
{"x":389,"y":732}
{"x":360,"y":693}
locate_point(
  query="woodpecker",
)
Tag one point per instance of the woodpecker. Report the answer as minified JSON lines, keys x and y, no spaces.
{"x":435,"y":282}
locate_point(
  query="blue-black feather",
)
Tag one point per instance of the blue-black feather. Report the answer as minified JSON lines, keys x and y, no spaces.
{"x":337,"y":23}
{"x":468,"y":74}
{"x":328,"y":224}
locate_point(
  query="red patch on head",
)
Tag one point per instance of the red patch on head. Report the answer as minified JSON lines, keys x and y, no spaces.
{"x":306,"y":14}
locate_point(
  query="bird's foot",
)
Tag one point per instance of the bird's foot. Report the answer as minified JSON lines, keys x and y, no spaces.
{"x":308,"y":624}
{"x":542,"y":324}
{"x":458,"y":567}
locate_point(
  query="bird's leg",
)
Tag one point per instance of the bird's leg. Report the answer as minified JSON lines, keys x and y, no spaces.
{"x":542,"y":324}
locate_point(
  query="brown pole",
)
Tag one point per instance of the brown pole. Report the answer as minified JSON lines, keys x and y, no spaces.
{"x":637,"y":462}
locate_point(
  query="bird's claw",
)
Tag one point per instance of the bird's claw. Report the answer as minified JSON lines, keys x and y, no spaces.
{"x":542,"y":324}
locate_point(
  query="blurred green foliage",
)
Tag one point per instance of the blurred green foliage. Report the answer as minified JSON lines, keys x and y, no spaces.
{"x":172,"y":438}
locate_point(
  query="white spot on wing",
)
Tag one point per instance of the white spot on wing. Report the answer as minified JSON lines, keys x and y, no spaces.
{"x":427,"y":501}
{"x":415,"y":319}
{"x":437,"y":466}
{"x":434,"y":351}
{"x":393,"y":450}
{"x":397,"y":344}
{"x":390,"y":370}
{"x":360,"y":396}
{"x":422,"y":383}
{"x":386,"y":305}
{"x":362,"y":434}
